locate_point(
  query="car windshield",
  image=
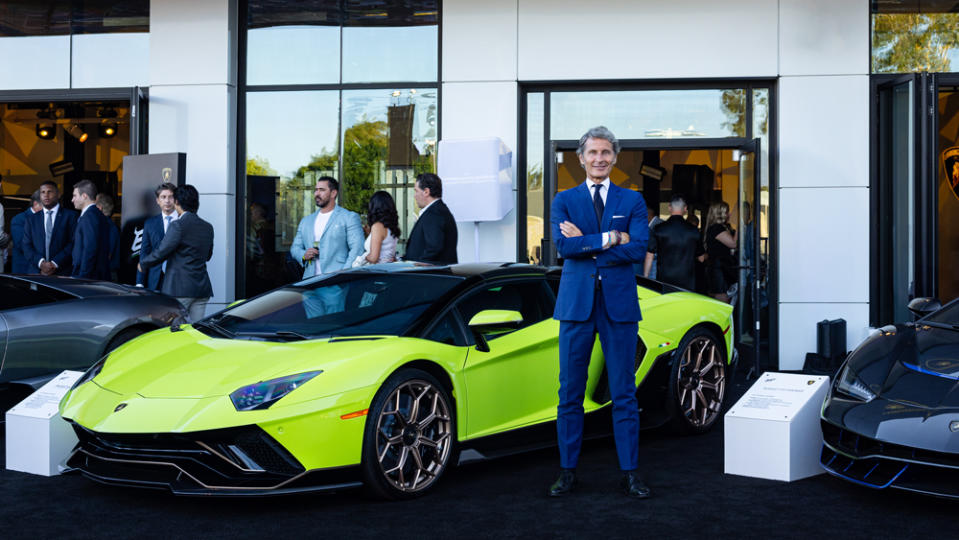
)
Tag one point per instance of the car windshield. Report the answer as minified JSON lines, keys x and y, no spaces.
{"x":350,"y":304}
{"x":949,"y":314}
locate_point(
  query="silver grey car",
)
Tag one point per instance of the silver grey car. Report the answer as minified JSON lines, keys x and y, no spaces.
{"x":49,"y":323}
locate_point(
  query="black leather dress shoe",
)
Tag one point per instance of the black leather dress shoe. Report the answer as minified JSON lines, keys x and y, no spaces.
{"x":564,"y":484}
{"x":634,"y":486}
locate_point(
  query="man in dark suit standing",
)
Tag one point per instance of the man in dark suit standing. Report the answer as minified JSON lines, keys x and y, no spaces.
{"x":600,"y":231}
{"x":433,"y":238}
{"x":18,"y":224}
{"x":674,"y":246}
{"x":186,"y":247}
{"x":48,"y":235}
{"x":91,"y":241}
{"x":153,"y":230}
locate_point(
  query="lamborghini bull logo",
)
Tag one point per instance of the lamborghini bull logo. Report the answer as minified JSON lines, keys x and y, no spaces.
{"x":950,"y":162}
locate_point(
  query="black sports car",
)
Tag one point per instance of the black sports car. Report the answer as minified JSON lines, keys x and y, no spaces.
{"x":891,"y":418}
{"x":49,"y":323}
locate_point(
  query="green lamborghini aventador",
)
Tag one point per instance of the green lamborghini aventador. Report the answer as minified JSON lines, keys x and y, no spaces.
{"x":383,"y":376}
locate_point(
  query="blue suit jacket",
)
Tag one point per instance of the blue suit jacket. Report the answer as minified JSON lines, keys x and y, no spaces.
{"x":19,"y":264}
{"x":152,"y":236}
{"x":585,"y":258}
{"x":91,"y":245}
{"x":341,"y":243}
{"x":61,"y":241}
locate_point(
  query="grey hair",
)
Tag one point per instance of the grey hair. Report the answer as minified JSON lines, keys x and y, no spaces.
{"x":677,"y":203}
{"x":598,"y":132}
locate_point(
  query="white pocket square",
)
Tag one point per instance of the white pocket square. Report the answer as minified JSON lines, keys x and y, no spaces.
{"x":614,"y":217}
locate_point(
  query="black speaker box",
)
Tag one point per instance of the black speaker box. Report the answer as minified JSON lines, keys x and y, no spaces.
{"x":831,"y":338}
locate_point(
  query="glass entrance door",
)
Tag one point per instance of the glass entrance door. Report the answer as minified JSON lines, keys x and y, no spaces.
{"x":751,"y":289}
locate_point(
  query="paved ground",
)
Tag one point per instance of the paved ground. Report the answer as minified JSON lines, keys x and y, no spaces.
{"x":500,"y":498}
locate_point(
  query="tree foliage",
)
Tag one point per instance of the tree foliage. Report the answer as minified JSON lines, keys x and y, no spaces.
{"x":907,"y":42}
{"x":259,"y":166}
{"x":733,"y":104}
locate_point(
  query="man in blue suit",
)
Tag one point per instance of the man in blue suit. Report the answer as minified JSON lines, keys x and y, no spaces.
{"x":600,"y":231}
{"x":48,"y":235}
{"x":330,"y":238}
{"x":91,"y":241}
{"x":20,"y":265}
{"x":154,"y":228}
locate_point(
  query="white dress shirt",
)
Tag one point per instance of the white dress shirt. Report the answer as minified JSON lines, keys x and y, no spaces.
{"x":319,"y":225}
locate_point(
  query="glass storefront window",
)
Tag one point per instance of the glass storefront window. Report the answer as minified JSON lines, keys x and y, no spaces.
{"x":293,"y":42}
{"x":535,"y":175}
{"x":915,"y":36}
{"x":650,"y":114}
{"x":389,"y":136}
{"x":61,"y":17}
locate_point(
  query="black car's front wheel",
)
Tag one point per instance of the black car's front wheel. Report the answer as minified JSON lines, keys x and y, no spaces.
{"x":697,"y":383}
{"x":409,"y":437}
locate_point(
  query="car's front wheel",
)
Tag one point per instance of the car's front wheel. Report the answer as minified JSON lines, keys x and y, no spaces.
{"x":697,"y":383}
{"x":409,"y":437}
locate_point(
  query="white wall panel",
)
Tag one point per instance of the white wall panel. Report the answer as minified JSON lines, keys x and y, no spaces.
{"x":824,"y":245}
{"x":823,"y":37}
{"x":479,"y":40}
{"x":477,"y":110}
{"x":34,"y":62}
{"x":103,"y":60}
{"x":220,"y":211}
{"x":797,"y":328}
{"x":197,"y":120}
{"x":191,"y":42}
{"x":824,"y":131}
{"x":647,"y":39}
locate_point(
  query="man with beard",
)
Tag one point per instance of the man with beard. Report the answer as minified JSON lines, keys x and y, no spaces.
{"x":48,"y":235}
{"x":329,"y":239}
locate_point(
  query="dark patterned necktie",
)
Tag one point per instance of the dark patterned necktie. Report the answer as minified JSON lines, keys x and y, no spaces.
{"x":598,"y":204}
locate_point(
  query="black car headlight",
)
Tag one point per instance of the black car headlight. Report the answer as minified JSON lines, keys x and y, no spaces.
{"x":91,"y":372}
{"x":263,"y":394}
{"x":849,"y":383}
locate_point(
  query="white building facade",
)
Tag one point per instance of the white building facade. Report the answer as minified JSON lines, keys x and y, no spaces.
{"x":688,"y":84}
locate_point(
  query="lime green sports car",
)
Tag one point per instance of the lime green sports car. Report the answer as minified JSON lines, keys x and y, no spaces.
{"x":384,"y":376}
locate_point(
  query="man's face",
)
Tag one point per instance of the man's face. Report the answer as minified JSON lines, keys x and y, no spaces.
{"x":79,"y":201}
{"x":323,"y":195}
{"x":49,"y":196}
{"x":165,"y":201}
{"x":598,"y":158}
{"x":420,"y":195}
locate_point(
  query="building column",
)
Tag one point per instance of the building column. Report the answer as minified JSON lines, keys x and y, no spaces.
{"x":192,"y":109}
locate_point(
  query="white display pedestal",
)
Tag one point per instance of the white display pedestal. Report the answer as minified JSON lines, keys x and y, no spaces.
{"x":37,"y":438}
{"x":773,"y":430}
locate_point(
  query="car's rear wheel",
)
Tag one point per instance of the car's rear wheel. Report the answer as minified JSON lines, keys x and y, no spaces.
{"x":409,"y":437}
{"x":697,"y":384}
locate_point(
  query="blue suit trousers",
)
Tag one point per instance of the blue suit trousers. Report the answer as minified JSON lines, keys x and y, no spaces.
{"x":618,"y":341}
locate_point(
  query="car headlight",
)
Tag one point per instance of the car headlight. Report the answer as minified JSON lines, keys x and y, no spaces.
{"x":850,"y":384}
{"x":91,"y":372}
{"x":263,"y":394}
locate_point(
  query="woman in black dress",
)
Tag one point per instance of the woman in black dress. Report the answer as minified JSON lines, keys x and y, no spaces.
{"x":720,"y":241}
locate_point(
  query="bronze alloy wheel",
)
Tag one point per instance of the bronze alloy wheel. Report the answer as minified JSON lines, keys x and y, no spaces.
{"x":699,"y":381}
{"x":414,"y":435}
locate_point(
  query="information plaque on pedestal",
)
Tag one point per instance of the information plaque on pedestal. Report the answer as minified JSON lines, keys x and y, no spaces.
{"x":773,"y":430}
{"x":37,"y":438}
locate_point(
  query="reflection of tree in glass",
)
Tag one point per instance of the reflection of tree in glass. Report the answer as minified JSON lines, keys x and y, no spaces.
{"x":904,"y":42}
{"x":733,"y":104}
{"x":259,"y":166}
{"x":364,"y":152}
{"x":534,"y":177}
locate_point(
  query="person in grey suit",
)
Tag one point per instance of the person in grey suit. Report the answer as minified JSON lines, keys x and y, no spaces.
{"x":329,"y":239}
{"x":186,"y":247}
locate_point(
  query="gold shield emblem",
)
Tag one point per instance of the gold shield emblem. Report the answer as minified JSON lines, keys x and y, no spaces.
{"x":166,"y":173}
{"x":950,"y":162}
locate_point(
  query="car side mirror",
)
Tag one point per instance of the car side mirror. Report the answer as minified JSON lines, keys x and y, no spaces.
{"x":922,"y":306}
{"x":496,"y":317}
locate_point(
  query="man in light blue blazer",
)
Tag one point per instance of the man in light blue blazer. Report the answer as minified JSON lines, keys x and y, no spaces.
{"x":600,"y":231}
{"x":330,"y":238}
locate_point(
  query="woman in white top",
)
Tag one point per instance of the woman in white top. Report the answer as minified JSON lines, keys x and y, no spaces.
{"x":384,"y":229}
